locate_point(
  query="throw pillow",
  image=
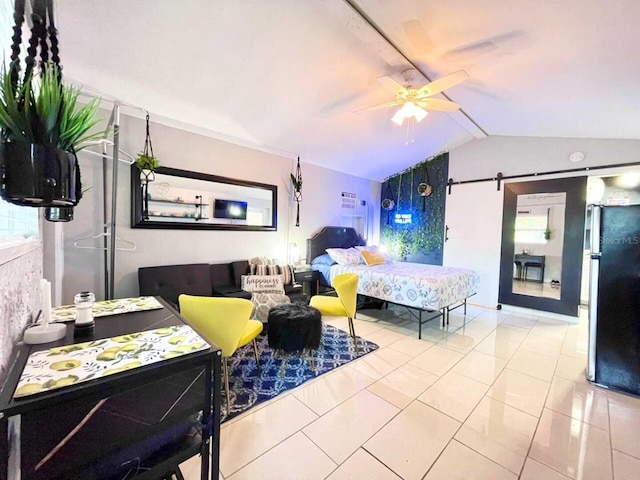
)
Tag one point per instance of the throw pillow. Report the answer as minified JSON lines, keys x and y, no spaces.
{"x":345,"y":256}
{"x":373,"y":258}
{"x":260,"y":261}
{"x":286,"y":271}
{"x":262,"y":303}
{"x":323,"y":260}
{"x":262,"y":283}
{"x":374,"y":248}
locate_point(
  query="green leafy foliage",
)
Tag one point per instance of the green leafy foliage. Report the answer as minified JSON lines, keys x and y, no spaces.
{"x":425,"y":233}
{"x":147,"y":162}
{"x":40,"y":109}
{"x":297,"y":185}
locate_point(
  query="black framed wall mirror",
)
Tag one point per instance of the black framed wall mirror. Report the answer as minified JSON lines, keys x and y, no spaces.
{"x":543,"y":227}
{"x":180,"y":199}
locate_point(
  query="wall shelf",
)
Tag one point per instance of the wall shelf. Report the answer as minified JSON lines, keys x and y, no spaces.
{"x":151,"y":215}
{"x":177,"y":202}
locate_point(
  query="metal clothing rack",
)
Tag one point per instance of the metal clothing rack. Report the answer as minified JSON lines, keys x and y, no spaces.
{"x":109,"y":233}
{"x":109,"y":226}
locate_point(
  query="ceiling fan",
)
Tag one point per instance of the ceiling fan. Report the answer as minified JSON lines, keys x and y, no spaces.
{"x":414,"y":102}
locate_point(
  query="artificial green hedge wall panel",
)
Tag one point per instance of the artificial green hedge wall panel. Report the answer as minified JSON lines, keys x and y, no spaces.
{"x":422,"y":239}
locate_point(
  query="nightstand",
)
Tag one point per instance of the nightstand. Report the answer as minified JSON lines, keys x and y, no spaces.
{"x":310,"y":280}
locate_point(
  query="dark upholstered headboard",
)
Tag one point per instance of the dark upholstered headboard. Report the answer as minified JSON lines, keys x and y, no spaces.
{"x":332,"y":237}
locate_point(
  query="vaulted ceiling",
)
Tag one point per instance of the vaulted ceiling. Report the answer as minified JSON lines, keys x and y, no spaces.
{"x":287,"y":75}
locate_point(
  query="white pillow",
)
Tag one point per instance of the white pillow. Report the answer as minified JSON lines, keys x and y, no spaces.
{"x":345,"y":256}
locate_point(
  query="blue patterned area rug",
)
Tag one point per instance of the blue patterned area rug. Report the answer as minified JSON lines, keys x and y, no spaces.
{"x":248,"y":388}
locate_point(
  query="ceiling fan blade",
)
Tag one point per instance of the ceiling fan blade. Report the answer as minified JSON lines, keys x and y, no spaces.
{"x":418,"y":36}
{"x":471,"y":50}
{"x":438,"y":104}
{"x":379,"y":107}
{"x":391,"y":85}
{"x":443,"y":83}
{"x":482,"y":47}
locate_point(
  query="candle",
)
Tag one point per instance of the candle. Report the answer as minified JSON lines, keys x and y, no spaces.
{"x":46,"y":301}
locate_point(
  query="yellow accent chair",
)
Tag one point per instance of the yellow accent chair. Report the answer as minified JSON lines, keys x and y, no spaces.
{"x":346,"y":286}
{"x":224,"y":321}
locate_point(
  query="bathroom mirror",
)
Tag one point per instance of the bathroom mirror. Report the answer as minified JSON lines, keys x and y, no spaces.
{"x":538,"y":239}
{"x":177,"y":199}
{"x":559,"y":257}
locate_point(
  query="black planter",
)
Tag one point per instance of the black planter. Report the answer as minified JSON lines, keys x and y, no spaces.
{"x":58,"y":214}
{"x":38,"y":175}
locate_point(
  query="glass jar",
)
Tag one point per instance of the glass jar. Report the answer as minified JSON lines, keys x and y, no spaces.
{"x":84,"y":308}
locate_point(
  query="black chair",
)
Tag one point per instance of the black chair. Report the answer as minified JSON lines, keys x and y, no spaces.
{"x":528,"y":265}
{"x":518,"y":265}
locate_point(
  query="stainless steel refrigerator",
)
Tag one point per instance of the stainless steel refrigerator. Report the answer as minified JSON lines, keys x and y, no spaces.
{"x":614,"y":298}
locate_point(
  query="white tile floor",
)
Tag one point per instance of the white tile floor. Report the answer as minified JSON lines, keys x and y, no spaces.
{"x":503,"y":397}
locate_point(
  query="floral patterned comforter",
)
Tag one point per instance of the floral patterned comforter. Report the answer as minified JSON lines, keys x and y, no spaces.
{"x":429,"y":287}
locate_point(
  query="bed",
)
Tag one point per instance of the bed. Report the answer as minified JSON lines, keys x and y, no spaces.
{"x":419,"y":287}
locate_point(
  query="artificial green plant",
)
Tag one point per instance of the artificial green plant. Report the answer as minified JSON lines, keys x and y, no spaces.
{"x":40,"y":109}
{"x":424,"y":235}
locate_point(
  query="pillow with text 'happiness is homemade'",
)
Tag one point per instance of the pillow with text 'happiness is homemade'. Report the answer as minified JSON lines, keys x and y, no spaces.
{"x":263,"y":283}
{"x":345,"y":256}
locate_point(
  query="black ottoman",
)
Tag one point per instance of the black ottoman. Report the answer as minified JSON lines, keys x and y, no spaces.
{"x":294,"y":327}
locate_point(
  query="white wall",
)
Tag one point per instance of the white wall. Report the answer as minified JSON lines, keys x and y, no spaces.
{"x":188,"y":151}
{"x":19,"y":299}
{"x":475,"y":210}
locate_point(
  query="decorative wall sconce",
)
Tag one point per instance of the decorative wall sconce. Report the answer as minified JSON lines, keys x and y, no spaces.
{"x":387,"y":203}
{"x":296,"y":181}
{"x":424,"y":188}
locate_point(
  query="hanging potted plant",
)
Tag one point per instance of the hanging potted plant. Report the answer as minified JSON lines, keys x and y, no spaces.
{"x":147,"y":164}
{"x":41,"y":124}
{"x":296,"y":182}
{"x":146,"y":161}
{"x":41,"y":130}
{"x":547,"y":231}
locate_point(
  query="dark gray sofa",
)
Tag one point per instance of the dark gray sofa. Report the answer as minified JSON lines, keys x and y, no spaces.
{"x":202,"y":279}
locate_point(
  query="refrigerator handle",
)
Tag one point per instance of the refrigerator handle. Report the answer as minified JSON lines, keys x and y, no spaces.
{"x":596,"y":212}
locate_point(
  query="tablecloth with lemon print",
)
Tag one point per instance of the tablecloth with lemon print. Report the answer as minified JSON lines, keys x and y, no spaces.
{"x":103,"y":308}
{"x":59,"y":367}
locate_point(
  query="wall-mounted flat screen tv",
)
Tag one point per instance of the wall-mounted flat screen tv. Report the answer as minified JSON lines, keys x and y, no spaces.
{"x":232,"y":209}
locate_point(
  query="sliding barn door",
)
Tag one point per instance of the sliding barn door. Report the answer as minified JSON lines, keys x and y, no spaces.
{"x":474,"y":220}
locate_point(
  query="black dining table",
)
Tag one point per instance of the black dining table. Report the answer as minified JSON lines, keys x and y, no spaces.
{"x":141,"y":422}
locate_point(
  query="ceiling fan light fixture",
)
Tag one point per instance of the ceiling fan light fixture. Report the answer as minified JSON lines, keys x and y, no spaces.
{"x":398,"y":117}
{"x":419,"y":114}
{"x":408,"y":110}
